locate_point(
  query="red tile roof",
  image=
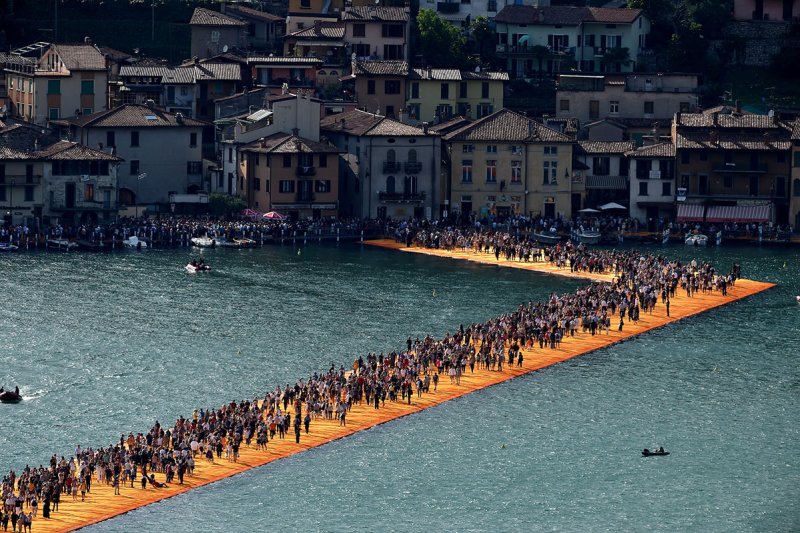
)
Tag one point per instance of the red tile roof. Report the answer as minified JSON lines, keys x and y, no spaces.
{"x":207,"y":17}
{"x":565,"y":15}
{"x":133,"y":116}
{"x":506,"y":125}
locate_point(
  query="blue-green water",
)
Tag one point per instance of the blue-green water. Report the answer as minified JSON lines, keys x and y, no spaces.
{"x":104,"y":344}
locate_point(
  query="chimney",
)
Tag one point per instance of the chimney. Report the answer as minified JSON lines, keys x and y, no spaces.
{"x":738,"y":106}
{"x":88,"y":40}
{"x":36,"y":145}
{"x":263,"y":142}
{"x":179,"y":118}
{"x":100,"y":146}
{"x":430,"y":72}
{"x":296,"y":132}
{"x":425,"y":128}
{"x":150,"y":103}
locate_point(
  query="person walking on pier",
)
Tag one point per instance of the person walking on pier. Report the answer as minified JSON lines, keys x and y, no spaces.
{"x":297,"y":429}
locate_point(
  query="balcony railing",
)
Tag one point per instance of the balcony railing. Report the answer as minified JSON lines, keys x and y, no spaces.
{"x":401,"y":197}
{"x":20,"y":181}
{"x":413,"y":167}
{"x":529,"y":49}
{"x":448,"y":8}
{"x":391,"y":166}
{"x":306,"y":171}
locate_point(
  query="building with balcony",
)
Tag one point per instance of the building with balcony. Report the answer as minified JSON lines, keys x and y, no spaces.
{"x":506,"y":163}
{"x":377,"y":33}
{"x":560,"y":38}
{"x":736,"y":166}
{"x":297,"y":73}
{"x":21,"y":191}
{"x":295,"y":176}
{"x":162,"y":151}
{"x":391,"y":169}
{"x":605,"y":178}
{"x":461,"y":13}
{"x":652,"y":177}
{"x":304,"y":13}
{"x":322,"y":40}
{"x":50,"y":81}
{"x":188,"y":89}
{"x":80,"y":184}
{"x":380,"y":86}
{"x":651,"y":97}
{"x":438,"y":94}
{"x":215,"y":33}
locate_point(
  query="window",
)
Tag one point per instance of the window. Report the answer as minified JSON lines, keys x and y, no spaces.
{"x":323,"y":160}
{"x":393,"y":51}
{"x":184,"y":91}
{"x":134,"y":167}
{"x":391,"y":87}
{"x":563,"y":105}
{"x":649,"y":108}
{"x":361,"y":50}
{"x":485,"y":110}
{"x":392,"y":30}
{"x":491,"y":170}
{"x":516,"y":171}
{"x":322,"y":185}
{"x":727,"y":181}
{"x":287,"y":160}
{"x":194,"y":167}
{"x":444,"y":91}
{"x":491,"y":5}
{"x":359,"y":30}
{"x":491,"y":148}
{"x":370,"y":86}
{"x":551,"y":150}
{"x":685,"y":157}
{"x":29,"y":193}
{"x":415,"y":93}
{"x":286,"y":186}
{"x":466,"y":170}
{"x":110,"y":142}
{"x":256,"y":184}
{"x":87,"y":86}
{"x":643,"y":188}
{"x":134,"y":138}
{"x":666,"y":188}
{"x":462,"y":89}
{"x":215,"y":36}
{"x":468,"y":148}
{"x":85,"y":111}
{"x":53,"y":113}
{"x":230,"y":155}
{"x":390,"y":184}
{"x":613,"y":107}
{"x":684,"y":107}
{"x":795,"y":191}
{"x":485,"y":89}
{"x":53,"y":86}
{"x":601,"y":166}
{"x":780,"y":186}
{"x":549,"y":172}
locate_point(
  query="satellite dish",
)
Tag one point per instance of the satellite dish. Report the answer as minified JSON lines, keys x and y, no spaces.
{"x":225,"y":49}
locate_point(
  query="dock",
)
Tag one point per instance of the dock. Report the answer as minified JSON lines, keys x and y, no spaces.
{"x":102,"y":504}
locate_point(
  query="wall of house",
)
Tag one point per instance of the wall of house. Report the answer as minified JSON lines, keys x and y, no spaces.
{"x":373,"y":37}
{"x":23,"y":197}
{"x":379,"y":101}
{"x":772,"y":10}
{"x":203,"y":45}
{"x":655,"y":190}
{"x":430,"y":98}
{"x":629,"y":104}
{"x":794,"y":190}
{"x":94,"y":193}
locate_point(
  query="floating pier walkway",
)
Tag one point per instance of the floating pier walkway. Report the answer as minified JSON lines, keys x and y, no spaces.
{"x":101,"y":503}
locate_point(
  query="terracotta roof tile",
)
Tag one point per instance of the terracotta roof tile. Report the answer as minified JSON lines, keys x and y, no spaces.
{"x":207,"y":17}
{"x":7,"y":153}
{"x":282,"y":143}
{"x":80,"y":56}
{"x":451,"y":74}
{"x":71,"y":151}
{"x":252,"y":13}
{"x":322,"y":30}
{"x":133,"y":115}
{"x":565,"y":15}
{"x":382,"y":68}
{"x":376,"y":13}
{"x":734,"y":120}
{"x":732,"y":141}
{"x":361,"y":123}
{"x":284,"y":60}
{"x":507,"y":125}
{"x":660,"y":151}
{"x":605,"y":147}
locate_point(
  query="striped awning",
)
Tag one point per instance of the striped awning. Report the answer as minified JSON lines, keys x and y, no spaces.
{"x":607,"y":182}
{"x":690,"y":212}
{"x":738,"y":213}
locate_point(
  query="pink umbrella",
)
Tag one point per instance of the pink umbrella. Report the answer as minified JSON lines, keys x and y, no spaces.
{"x":274,"y":215}
{"x":251,"y":214}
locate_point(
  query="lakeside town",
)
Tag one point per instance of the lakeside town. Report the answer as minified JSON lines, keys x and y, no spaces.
{"x":348,"y":110}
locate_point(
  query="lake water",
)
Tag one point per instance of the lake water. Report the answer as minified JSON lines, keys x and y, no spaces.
{"x":105,"y":344}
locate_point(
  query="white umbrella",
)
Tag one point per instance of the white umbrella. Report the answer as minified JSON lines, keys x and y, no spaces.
{"x":612,"y":205}
{"x":588,"y":210}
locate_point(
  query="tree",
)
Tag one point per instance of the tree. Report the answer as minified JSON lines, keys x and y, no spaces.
{"x":484,"y":39}
{"x":224,"y":204}
{"x":540,"y":52}
{"x":441,"y":43}
{"x":616,"y":55}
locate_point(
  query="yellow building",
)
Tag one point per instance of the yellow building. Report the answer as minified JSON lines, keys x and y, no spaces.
{"x":506,"y":163}
{"x":437,"y":94}
{"x":295,"y":176}
{"x":303,"y":13}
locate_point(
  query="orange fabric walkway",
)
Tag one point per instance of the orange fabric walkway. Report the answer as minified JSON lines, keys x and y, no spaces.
{"x":101,"y":504}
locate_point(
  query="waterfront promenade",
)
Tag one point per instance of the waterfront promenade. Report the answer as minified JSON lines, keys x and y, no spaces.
{"x":102,"y":503}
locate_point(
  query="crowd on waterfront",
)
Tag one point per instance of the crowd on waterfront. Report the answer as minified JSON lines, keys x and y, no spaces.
{"x":638,"y":284}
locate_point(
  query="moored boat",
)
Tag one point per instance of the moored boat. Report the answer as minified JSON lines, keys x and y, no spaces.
{"x":134,"y":242}
{"x":61,"y":244}
{"x":204,"y":242}
{"x":8,"y":247}
{"x":547,"y":238}
{"x":587,"y":237}
{"x":697,"y":239}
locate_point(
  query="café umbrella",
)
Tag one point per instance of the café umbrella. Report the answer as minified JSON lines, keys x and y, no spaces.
{"x":274,"y":215}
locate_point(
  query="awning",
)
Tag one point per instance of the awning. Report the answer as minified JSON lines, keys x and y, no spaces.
{"x":690,"y":212}
{"x":319,"y":43}
{"x":738,"y":213}
{"x":607,"y":182}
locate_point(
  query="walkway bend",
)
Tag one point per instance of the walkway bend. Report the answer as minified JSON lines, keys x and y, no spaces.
{"x":101,"y":504}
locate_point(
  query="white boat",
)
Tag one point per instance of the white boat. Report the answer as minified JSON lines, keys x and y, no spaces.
{"x":587,"y":237}
{"x":547,"y":238}
{"x":194,"y":269}
{"x":204,"y":242}
{"x":134,"y":242}
{"x":8,"y":247}
{"x":696,"y":240}
{"x":62,"y":244}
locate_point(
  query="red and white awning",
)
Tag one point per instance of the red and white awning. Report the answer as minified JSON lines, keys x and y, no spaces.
{"x":738,"y":213}
{"x":690,"y":212}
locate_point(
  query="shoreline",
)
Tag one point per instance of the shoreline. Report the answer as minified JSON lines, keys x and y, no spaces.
{"x":102,"y":504}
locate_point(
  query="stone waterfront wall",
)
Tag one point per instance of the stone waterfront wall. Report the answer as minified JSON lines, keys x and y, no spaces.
{"x":755,"y":42}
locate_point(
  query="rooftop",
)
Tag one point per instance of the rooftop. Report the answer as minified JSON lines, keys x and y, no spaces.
{"x":130,"y":116}
{"x":283,"y":143}
{"x":451,"y":74}
{"x":507,"y":126}
{"x":207,"y":17}
{"x":565,"y":15}
{"x":361,"y":123}
{"x":381,"y":68}
{"x":376,"y":14}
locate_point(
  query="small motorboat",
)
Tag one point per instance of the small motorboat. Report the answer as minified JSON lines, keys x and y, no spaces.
{"x":8,"y":247}
{"x":7,"y":396}
{"x":134,"y":242}
{"x":798,"y":299}
{"x":193,"y":268}
{"x":696,"y":239}
{"x":204,"y":242}
{"x":547,"y":238}
{"x":648,"y":453}
{"x":587,"y":237}
{"x":62,"y":244}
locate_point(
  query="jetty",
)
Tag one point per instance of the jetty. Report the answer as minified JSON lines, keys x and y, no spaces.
{"x":101,"y":503}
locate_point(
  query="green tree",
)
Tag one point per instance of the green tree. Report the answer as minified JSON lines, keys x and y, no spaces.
{"x":540,"y":52}
{"x":616,"y":55}
{"x":441,"y":43}
{"x":483,"y":38}
{"x":224,"y":204}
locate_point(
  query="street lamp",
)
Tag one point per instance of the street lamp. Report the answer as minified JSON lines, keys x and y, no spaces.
{"x":139,"y":178}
